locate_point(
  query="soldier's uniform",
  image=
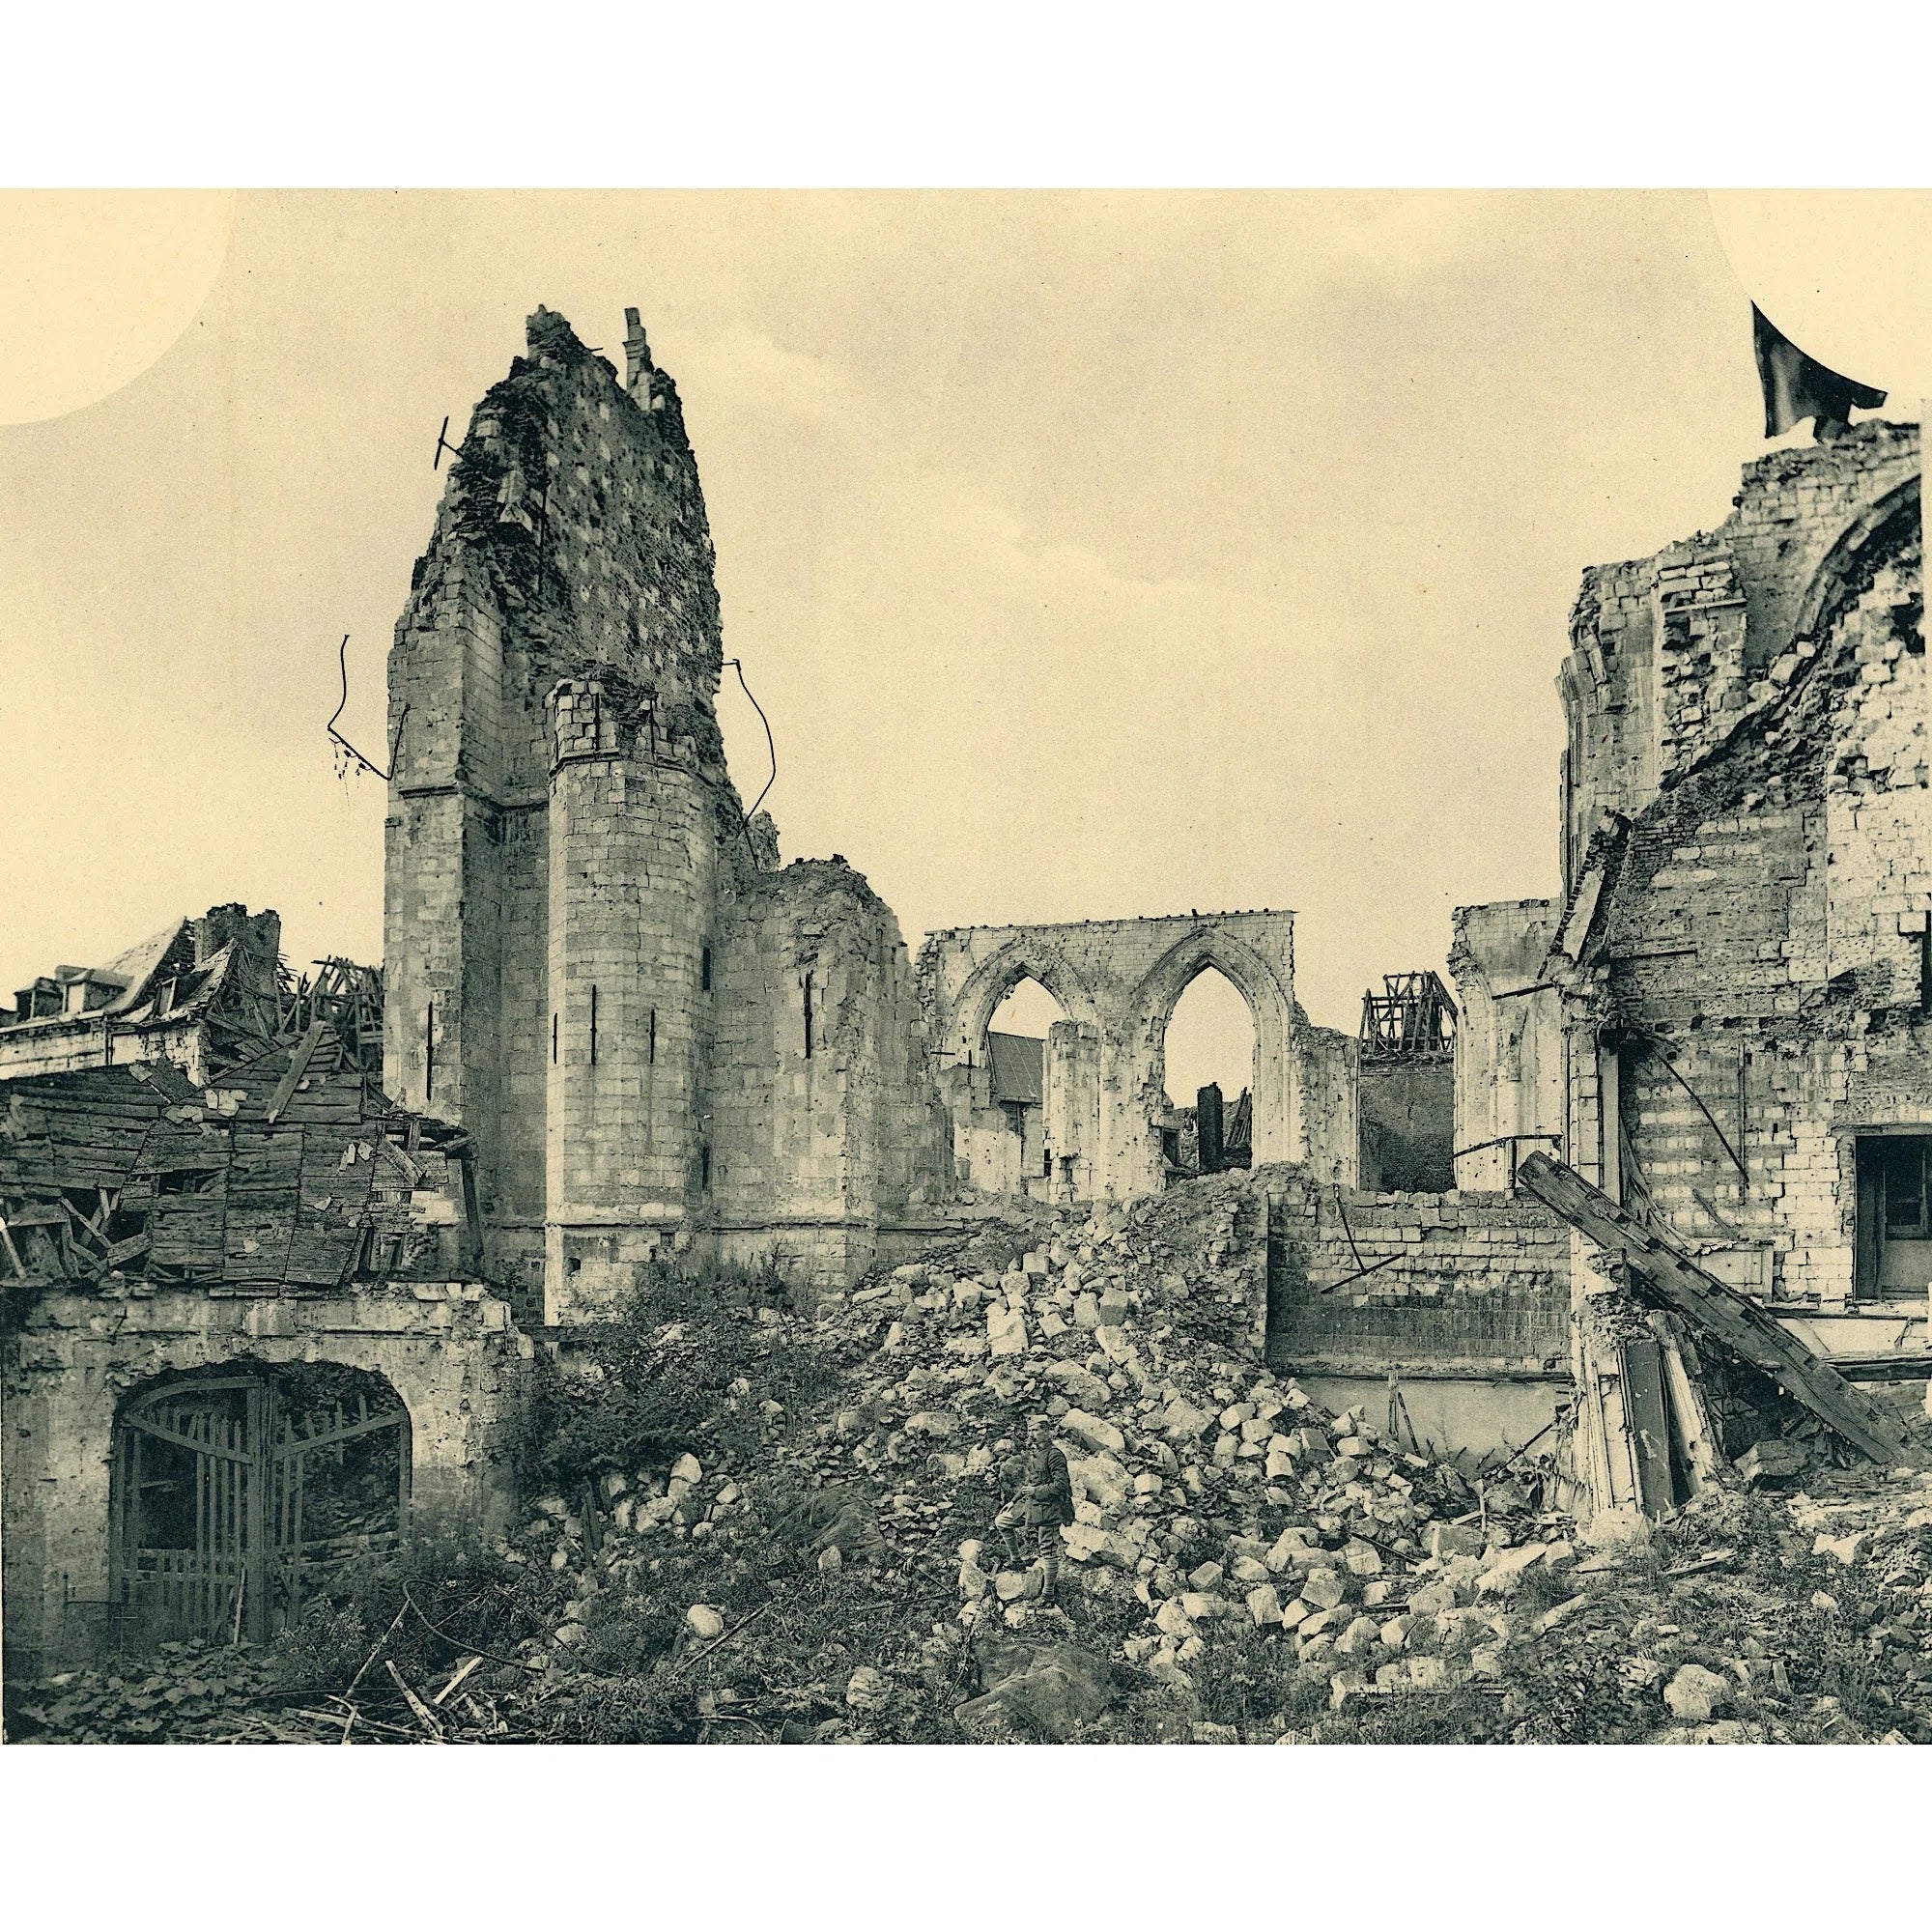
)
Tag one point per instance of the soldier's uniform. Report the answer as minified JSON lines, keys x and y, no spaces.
{"x":1041,"y":1487}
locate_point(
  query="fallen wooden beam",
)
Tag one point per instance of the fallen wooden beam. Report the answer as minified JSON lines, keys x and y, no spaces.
{"x":297,"y":1066}
{"x":1715,"y":1308}
{"x":1692,"y":1426}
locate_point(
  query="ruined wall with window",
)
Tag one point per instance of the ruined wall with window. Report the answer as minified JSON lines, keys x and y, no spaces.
{"x":1744,"y":944}
{"x":1117,"y":981}
{"x":575,"y":903}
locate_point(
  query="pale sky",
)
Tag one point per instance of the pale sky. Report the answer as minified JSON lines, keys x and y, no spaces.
{"x":1094,"y":555}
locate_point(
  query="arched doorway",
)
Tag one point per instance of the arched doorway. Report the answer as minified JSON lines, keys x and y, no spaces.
{"x":1208,"y":1061}
{"x":236,"y":1492}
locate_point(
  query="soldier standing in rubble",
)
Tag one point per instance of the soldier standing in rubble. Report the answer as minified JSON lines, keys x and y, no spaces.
{"x":1041,"y":1488}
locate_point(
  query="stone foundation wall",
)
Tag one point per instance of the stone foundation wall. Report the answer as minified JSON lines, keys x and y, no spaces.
{"x":448,"y":1349}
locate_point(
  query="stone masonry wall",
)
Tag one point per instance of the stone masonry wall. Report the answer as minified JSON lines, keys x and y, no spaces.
{"x":1509,"y":1058}
{"x":1121,"y":980}
{"x":1666,"y":652}
{"x":567,"y":855}
{"x":825,"y":1128}
{"x":1427,"y":1282}
{"x":1408,"y":1122}
{"x":1750,"y":986}
{"x":447,"y":1349}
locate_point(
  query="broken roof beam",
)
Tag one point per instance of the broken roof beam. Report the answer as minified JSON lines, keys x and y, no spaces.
{"x":1715,"y":1308}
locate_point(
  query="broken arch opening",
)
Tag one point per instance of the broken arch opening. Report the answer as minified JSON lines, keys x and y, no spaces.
{"x":1017,"y":1077}
{"x":1208,"y":1056}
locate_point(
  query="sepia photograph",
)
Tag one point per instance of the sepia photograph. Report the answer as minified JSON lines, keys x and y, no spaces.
{"x":960,"y":967}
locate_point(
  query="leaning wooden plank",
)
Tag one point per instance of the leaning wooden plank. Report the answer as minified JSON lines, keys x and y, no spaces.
{"x":424,"y":1716}
{"x":1717,"y":1308}
{"x":1691,"y":1419}
{"x":1650,"y":1425}
{"x":462,"y":1672}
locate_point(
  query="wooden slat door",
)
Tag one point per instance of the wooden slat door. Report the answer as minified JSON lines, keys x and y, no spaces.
{"x":184,"y":1491}
{"x":230,"y":1504}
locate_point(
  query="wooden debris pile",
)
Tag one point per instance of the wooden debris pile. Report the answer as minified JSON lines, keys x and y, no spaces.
{"x":1666,"y":1394}
{"x":289,"y":1170}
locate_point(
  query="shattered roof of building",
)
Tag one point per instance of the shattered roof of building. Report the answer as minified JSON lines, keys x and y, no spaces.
{"x":1018,"y":1064}
{"x":136,"y":967}
{"x":271,"y":1177}
{"x":133,"y":972}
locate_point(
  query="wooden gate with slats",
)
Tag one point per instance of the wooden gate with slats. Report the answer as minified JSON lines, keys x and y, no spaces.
{"x":235,"y":1497}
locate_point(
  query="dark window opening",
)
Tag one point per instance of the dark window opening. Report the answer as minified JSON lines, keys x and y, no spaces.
{"x":593,"y":1026}
{"x":704,"y":1168}
{"x":704,"y":970}
{"x":1903,"y":1164}
{"x":1046,"y":1164}
{"x":429,"y":1053}
{"x":1894,"y":1255}
{"x":552,"y":1039}
{"x":186,"y":1181}
{"x":652,"y":1047}
{"x":808,"y":1016}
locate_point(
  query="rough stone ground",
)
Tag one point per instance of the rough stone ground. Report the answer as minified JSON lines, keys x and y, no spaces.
{"x":765,"y":1526}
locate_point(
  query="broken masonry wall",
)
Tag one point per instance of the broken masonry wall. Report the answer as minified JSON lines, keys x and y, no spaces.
{"x":1458,"y":1335}
{"x":1407,"y":1126}
{"x":1071,"y":1110}
{"x":571,"y":541}
{"x":825,"y":1133}
{"x":1665,"y":650}
{"x":1119,"y":980}
{"x":565,"y":851}
{"x":1750,"y":994}
{"x":447,"y":1349}
{"x":1329,"y":1090}
{"x":1509,"y":1053}
{"x":1416,"y":1282}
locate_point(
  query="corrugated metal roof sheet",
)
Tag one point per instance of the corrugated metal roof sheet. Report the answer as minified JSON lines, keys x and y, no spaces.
{"x":1018,"y":1065}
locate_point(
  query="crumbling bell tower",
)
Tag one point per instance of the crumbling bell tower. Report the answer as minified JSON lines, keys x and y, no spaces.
{"x":591,"y":959}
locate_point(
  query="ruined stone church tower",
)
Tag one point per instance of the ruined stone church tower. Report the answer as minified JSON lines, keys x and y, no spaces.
{"x":593,"y":960}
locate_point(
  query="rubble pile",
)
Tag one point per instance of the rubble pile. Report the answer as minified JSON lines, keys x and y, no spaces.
{"x":1213,"y":1501}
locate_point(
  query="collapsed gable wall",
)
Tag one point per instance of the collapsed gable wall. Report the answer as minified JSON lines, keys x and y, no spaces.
{"x":1750,"y":990}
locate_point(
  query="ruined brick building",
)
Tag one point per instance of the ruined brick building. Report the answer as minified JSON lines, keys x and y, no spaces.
{"x":1724,"y":1021}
